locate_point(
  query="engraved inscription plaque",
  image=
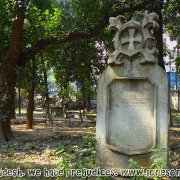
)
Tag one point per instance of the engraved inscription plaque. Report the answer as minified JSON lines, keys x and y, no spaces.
{"x":131,"y":121}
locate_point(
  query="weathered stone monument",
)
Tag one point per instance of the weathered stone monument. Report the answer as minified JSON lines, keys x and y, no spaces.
{"x":133,"y":96}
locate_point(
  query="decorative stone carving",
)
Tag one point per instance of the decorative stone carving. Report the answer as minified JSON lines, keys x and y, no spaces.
{"x":133,"y":38}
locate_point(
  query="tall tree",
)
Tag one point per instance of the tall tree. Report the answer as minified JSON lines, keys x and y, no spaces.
{"x":63,"y":22}
{"x":9,"y":56}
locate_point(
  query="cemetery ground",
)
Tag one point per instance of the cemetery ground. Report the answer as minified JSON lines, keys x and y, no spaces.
{"x":64,"y":147}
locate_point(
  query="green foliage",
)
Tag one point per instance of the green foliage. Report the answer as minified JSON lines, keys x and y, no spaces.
{"x":86,"y":13}
{"x":175,"y":118}
{"x":175,"y":156}
{"x":83,"y":55}
{"x":67,"y":93}
{"x":5,"y":25}
{"x":60,"y":150}
{"x":158,"y":162}
{"x":79,"y":62}
{"x":57,"y":19}
{"x":159,"y":158}
{"x":29,"y":146}
{"x":171,"y":17}
{"x":133,"y":164}
{"x":76,"y":157}
{"x":89,"y":141}
{"x":65,"y":159}
{"x":64,"y":162}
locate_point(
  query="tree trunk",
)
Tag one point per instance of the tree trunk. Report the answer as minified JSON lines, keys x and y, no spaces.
{"x":19,"y":99}
{"x":9,"y":59}
{"x":171,"y":120}
{"x":159,"y":36}
{"x":30,"y":107}
{"x":7,"y":93}
{"x":83,"y":96}
{"x":1,"y":132}
{"x":47,"y":98}
{"x":89,"y":100}
{"x":47,"y":92}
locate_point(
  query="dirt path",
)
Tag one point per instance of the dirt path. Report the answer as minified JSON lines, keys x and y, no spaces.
{"x":38,"y":146}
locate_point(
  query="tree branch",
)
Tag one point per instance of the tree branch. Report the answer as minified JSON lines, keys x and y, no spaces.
{"x":73,"y":36}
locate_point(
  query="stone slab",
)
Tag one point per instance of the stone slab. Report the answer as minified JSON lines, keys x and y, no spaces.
{"x":133,"y":108}
{"x":131,"y":115}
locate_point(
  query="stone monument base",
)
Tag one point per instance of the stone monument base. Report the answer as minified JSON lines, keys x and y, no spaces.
{"x":111,"y":159}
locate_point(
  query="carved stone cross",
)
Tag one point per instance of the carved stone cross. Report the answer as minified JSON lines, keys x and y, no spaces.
{"x":133,"y":37}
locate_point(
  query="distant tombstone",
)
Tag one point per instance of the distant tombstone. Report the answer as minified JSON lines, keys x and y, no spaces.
{"x":133,"y":97}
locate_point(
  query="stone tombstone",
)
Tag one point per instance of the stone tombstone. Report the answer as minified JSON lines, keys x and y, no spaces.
{"x":133,"y":97}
